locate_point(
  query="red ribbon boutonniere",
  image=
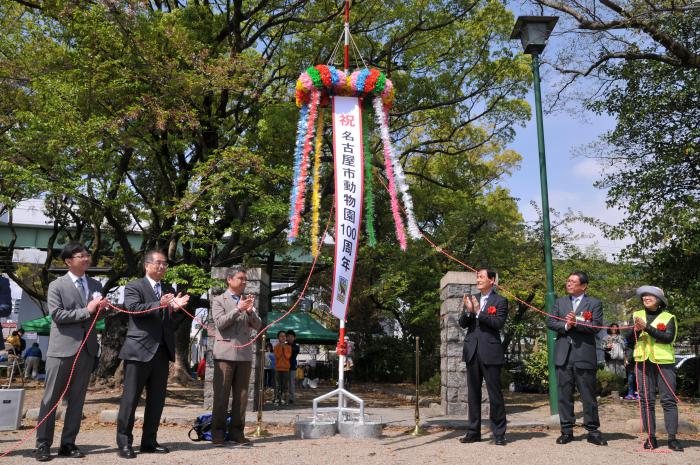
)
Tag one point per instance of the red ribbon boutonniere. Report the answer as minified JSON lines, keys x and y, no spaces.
{"x":491,"y":310}
{"x":661,"y":327}
{"x":588,"y":316}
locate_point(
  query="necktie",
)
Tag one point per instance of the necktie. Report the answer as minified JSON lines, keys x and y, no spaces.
{"x":81,"y":288}
{"x":577,"y":301}
{"x":156,"y":289}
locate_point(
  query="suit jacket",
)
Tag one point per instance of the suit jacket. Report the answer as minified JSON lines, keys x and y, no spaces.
{"x":578,"y":343}
{"x":483,"y":331}
{"x":233,"y":327}
{"x":70,"y":318}
{"x":147,"y":330}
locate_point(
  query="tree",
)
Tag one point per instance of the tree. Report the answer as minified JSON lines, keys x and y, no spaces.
{"x":173,"y":120}
{"x":644,"y":59}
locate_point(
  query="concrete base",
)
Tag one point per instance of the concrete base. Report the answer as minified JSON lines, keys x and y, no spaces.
{"x":354,"y":429}
{"x":309,"y":429}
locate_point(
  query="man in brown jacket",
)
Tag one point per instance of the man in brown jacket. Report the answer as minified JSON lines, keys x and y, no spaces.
{"x":235,"y":318}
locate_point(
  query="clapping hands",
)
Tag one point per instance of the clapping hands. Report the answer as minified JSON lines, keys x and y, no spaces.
{"x":179,"y":301}
{"x":639,"y":324}
{"x":246,"y":304}
{"x":470,"y":304}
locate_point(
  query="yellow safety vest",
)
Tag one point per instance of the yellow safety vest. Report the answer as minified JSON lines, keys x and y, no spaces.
{"x":648,"y":348}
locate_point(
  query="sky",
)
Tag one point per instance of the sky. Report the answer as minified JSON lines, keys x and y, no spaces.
{"x":570,"y":174}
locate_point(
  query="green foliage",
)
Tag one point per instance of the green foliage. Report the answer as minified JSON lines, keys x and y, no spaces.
{"x":431,"y":387}
{"x":607,"y":381}
{"x":195,"y":280}
{"x":536,"y":366}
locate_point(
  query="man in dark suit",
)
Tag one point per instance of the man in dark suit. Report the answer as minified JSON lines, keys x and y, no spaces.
{"x":73,"y":300}
{"x":484,"y":317}
{"x":574,"y":320}
{"x":148,"y":348}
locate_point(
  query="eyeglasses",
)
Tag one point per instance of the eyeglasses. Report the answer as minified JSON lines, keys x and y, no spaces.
{"x":84,"y":255}
{"x":159,"y":264}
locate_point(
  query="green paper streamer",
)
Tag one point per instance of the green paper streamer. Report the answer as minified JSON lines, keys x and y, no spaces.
{"x":369,"y":199}
{"x":315,"y":77}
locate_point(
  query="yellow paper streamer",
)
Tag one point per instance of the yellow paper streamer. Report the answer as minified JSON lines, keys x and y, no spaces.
{"x":316,"y":194}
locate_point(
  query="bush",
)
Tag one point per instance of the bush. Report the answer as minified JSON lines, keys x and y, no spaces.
{"x":387,"y":359}
{"x":687,"y":378}
{"x":608,"y":381}
{"x":536,"y":367}
{"x":432,"y":386}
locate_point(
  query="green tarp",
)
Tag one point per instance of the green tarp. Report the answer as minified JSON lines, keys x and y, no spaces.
{"x":42,"y":326}
{"x":307,"y":329}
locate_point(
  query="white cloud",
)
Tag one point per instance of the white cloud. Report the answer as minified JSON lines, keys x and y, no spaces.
{"x":588,"y":169}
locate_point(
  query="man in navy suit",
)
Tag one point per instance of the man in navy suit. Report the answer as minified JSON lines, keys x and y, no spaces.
{"x":483,"y":319}
{"x":576,"y":320}
{"x":148,"y":349}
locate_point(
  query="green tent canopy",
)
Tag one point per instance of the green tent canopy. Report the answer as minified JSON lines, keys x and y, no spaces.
{"x":42,"y":326}
{"x":307,"y":329}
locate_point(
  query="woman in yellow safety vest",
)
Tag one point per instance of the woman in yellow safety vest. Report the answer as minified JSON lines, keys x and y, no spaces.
{"x":655,"y":364}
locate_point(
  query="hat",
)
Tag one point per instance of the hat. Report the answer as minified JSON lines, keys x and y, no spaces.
{"x":655,"y":291}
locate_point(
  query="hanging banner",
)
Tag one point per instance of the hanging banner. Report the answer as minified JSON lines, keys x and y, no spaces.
{"x":348,"y":158}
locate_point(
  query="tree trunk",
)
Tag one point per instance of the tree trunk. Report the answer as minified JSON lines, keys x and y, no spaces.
{"x":112,"y":341}
{"x":180,"y":372}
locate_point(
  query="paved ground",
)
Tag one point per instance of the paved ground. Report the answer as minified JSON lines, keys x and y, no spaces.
{"x":530,"y":440}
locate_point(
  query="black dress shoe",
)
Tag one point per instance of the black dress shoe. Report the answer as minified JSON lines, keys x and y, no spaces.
{"x":42,"y":452}
{"x":675,"y":445}
{"x":70,"y":450}
{"x":565,"y":438}
{"x":126,"y":452}
{"x":469,"y":438}
{"x":500,"y":440}
{"x":597,"y":439}
{"x":153,"y":449}
{"x":651,"y":443}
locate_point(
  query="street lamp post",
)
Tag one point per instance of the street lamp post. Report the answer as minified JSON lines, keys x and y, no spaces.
{"x":533,"y":32}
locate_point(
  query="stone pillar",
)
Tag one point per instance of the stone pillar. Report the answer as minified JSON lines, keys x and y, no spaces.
{"x":453,"y":392}
{"x":259,"y":286}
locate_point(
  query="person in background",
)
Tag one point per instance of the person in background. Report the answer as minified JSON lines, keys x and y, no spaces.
{"x":269,"y":366}
{"x":5,"y":297}
{"x":22,"y":342}
{"x":614,"y":347}
{"x":291,"y":340}
{"x":32,"y":359}
{"x":283,"y":354}
{"x":655,"y":364}
{"x":201,"y":368}
{"x":13,"y":341}
{"x":629,"y":367}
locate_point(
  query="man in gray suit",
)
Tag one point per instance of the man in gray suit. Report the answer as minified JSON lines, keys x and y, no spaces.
{"x":73,"y":300}
{"x":574,"y":321}
{"x":148,"y":349}
{"x":235,"y":318}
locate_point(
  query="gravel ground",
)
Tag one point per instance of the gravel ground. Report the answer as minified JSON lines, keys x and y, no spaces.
{"x":395,"y":447}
